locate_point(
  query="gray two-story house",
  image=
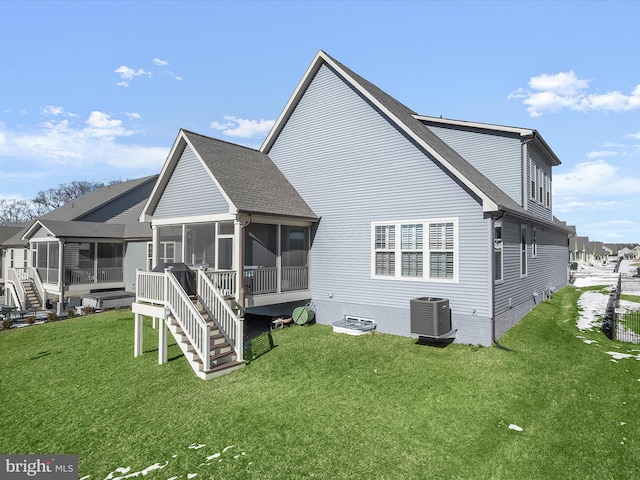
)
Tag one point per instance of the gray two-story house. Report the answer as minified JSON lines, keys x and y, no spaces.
{"x":358,"y":205}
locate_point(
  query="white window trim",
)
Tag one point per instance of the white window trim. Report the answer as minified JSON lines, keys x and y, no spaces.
{"x":534,"y":243}
{"x":498,"y":245}
{"x":533,"y":180}
{"x":398,"y":250}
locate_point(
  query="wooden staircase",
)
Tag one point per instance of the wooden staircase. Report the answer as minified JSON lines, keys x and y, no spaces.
{"x":32,"y":298}
{"x":222,"y":357}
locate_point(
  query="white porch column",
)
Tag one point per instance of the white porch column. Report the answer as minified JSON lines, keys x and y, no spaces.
{"x":60,"y":276}
{"x":238,"y":256}
{"x":162,"y":343}
{"x":155,"y":246}
{"x":137,"y":345}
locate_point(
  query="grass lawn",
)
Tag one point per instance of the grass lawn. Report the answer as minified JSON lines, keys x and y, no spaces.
{"x":324,"y":405}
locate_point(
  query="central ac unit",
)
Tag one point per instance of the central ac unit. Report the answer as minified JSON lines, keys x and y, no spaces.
{"x":430,"y":317}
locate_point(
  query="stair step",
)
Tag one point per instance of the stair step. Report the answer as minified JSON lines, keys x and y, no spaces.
{"x":224,"y":366}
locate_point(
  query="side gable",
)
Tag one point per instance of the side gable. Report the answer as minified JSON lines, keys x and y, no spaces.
{"x":403,"y":119}
{"x":205,"y":176}
{"x":191,"y":191}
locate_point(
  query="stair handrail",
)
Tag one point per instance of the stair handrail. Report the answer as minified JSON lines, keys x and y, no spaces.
{"x":231,"y":324}
{"x":14,"y":278}
{"x":186,"y":314}
{"x":37,"y":281}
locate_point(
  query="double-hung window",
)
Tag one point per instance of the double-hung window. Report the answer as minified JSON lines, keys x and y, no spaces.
{"x":385,"y":244}
{"x":415,"y":250}
{"x":497,"y":251}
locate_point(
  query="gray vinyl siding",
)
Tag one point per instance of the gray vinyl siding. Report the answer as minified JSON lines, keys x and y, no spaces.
{"x":135,"y":256}
{"x":353,"y":168}
{"x":514,"y":297}
{"x":498,"y":157}
{"x":190,"y":191}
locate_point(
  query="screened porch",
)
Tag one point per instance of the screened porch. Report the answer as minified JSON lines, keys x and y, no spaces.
{"x":274,"y":257}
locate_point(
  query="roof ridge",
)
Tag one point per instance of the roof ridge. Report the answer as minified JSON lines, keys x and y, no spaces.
{"x":220,"y":140}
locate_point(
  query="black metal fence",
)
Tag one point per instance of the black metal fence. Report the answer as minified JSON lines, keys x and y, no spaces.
{"x":624,"y":327}
{"x":608,"y":326}
{"x":628,"y":327}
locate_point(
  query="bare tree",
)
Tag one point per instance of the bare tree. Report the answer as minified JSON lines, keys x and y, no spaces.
{"x":18,"y":211}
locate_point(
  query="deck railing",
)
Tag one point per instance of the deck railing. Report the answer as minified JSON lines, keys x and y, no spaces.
{"x":150,"y":287}
{"x":76,"y":275}
{"x":213,"y":300}
{"x":295,"y":278}
{"x":37,"y":281}
{"x":224,"y":281}
{"x":260,"y":280}
{"x":186,"y":314}
{"x":14,"y":277}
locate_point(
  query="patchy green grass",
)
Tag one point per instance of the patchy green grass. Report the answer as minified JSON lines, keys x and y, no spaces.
{"x":323,"y":405}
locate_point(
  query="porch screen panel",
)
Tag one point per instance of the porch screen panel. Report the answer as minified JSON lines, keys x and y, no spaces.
{"x":294,"y":246}
{"x":109,"y":255}
{"x":201,"y":244}
{"x":261,"y":245}
{"x":170,"y":235}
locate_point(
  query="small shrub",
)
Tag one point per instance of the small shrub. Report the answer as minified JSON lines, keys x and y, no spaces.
{"x":6,"y":323}
{"x":71,"y":312}
{"x":52,"y":316}
{"x":87,"y":310}
{"x":30,"y":320}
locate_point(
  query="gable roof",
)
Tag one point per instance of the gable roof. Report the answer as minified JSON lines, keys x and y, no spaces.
{"x":62,"y":229}
{"x":248,"y":178}
{"x":91,"y":201}
{"x":525,"y":133}
{"x":493,"y":198}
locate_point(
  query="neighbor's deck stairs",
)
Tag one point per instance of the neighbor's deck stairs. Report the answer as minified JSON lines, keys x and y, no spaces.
{"x":32,"y":298}
{"x":222,"y":358}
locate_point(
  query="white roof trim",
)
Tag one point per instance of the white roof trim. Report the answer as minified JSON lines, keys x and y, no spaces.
{"x":524,"y":132}
{"x":488,"y":205}
{"x":168,"y":168}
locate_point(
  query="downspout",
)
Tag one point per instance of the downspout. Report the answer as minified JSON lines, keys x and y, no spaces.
{"x":493,"y":281}
{"x":244,"y":220}
{"x":61,"y":277}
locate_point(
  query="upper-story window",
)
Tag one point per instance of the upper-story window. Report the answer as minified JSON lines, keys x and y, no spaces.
{"x":539,"y":185}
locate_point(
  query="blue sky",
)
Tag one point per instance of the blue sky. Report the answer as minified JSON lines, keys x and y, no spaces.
{"x":98,"y":90}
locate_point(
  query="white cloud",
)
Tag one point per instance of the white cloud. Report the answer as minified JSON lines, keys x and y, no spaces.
{"x":127,"y":74}
{"x":244,"y":128}
{"x":551,"y":93}
{"x":133,"y":115}
{"x":160,"y":63}
{"x":51,"y":110}
{"x":83,"y":146}
{"x":634,"y":135}
{"x":601,"y":153}
{"x":595,"y":178}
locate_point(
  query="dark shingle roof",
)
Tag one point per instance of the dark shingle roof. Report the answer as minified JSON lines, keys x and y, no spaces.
{"x":249,"y":178}
{"x":89,"y":202}
{"x":63,"y":229}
